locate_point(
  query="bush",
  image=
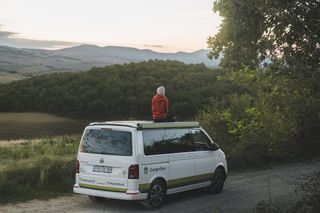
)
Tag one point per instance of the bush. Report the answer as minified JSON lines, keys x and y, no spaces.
{"x":275,"y":119}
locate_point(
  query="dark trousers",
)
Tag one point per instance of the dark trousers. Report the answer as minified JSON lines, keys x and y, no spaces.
{"x":159,"y":120}
{"x":167,"y":119}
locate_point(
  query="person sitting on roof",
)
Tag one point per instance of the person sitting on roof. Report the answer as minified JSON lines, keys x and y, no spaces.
{"x":160,"y":106}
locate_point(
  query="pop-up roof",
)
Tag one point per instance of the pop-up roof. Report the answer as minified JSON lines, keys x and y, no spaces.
{"x":148,"y":124}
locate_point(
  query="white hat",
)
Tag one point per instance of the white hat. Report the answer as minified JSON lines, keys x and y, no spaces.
{"x":161,"y":90}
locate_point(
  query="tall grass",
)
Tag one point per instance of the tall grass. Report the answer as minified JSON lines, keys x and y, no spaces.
{"x":39,"y":169}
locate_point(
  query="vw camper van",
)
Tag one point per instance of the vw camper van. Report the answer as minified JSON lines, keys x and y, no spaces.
{"x":143,"y":160}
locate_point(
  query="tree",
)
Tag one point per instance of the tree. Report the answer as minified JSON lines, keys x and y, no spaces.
{"x":255,"y":30}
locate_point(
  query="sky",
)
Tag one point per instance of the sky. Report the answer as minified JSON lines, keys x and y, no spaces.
{"x":159,"y":25}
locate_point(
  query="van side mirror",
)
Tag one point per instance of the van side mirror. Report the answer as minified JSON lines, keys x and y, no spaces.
{"x":214,"y":147}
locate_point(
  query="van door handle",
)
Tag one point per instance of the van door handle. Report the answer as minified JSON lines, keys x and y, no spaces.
{"x":197,"y":155}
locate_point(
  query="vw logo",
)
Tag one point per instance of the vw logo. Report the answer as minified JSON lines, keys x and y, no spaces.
{"x":101,"y":160}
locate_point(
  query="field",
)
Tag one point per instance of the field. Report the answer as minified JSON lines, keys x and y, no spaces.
{"x":35,"y":162}
{"x":37,"y":125}
{"x":6,"y":77}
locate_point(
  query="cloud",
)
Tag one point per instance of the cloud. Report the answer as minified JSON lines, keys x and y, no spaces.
{"x":12,"y":39}
{"x":6,"y":34}
{"x":154,"y":46}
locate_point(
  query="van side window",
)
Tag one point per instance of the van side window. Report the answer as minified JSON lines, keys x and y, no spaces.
{"x":167,"y":141}
{"x":180,"y":140}
{"x":154,"y":142}
{"x":201,"y":141}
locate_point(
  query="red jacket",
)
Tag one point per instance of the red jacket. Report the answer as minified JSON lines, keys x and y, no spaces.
{"x":160,"y":105}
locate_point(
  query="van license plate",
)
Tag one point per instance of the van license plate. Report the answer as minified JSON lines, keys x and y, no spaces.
{"x":104,"y":169}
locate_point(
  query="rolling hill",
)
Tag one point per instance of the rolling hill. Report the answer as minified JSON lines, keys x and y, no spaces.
{"x":84,"y":57}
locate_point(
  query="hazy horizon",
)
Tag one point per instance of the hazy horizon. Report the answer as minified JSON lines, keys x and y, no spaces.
{"x":53,"y":49}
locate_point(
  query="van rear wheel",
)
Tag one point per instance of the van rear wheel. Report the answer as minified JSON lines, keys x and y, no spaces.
{"x":156,"y":194}
{"x":217,"y":181}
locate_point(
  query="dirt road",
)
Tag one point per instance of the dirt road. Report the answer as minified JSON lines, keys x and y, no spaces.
{"x":242,"y":192}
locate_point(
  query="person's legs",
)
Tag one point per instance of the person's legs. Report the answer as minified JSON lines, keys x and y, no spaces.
{"x":168,"y":119}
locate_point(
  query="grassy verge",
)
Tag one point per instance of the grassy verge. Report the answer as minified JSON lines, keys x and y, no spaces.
{"x":39,"y":169}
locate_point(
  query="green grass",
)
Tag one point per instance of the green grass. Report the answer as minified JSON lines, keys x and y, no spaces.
{"x":36,"y":125}
{"x":6,"y":77}
{"x":40,"y":168}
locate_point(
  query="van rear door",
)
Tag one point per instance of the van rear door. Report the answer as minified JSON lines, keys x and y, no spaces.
{"x":105,"y":154}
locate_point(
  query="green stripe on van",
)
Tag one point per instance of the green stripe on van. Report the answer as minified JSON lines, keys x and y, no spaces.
{"x":189,"y":180}
{"x":181,"y":181}
{"x":103,"y":188}
{"x":144,"y":186}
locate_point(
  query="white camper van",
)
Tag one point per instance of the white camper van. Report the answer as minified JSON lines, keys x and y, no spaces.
{"x":143,"y":160}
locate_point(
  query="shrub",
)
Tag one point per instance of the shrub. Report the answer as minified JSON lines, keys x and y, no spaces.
{"x":275,"y":119}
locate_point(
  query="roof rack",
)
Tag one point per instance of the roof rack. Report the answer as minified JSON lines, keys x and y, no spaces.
{"x":117,"y":123}
{"x":148,"y":124}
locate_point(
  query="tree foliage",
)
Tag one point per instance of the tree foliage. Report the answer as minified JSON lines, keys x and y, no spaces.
{"x":276,"y":118}
{"x":255,"y":30}
{"x":116,"y":92}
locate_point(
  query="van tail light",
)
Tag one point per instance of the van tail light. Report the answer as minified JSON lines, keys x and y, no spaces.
{"x":133,"y":172}
{"x":77,"y":166}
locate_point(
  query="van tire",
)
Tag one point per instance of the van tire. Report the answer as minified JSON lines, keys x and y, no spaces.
{"x":217,"y":181}
{"x":156,"y":194}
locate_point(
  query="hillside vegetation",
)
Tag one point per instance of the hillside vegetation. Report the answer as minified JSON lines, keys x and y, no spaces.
{"x":118,"y":91}
{"x":257,"y":115}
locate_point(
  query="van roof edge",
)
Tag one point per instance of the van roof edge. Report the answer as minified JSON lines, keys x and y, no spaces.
{"x":148,"y":124}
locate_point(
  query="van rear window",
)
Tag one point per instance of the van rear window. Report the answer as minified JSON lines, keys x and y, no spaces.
{"x":108,"y":142}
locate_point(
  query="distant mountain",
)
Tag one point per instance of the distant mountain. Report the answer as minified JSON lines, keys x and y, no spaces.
{"x":85,"y":57}
{"x":35,"y":61}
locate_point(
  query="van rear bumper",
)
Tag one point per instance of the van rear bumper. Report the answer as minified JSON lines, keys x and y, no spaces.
{"x":108,"y":194}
